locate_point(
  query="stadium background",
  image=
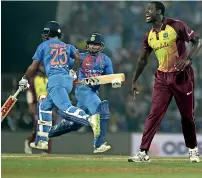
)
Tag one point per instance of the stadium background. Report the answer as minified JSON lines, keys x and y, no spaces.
{"x":123,"y":26}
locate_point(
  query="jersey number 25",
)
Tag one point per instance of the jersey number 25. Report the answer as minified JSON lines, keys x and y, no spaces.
{"x":59,"y":56}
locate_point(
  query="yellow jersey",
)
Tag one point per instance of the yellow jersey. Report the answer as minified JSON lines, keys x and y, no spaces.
{"x":169,"y":43}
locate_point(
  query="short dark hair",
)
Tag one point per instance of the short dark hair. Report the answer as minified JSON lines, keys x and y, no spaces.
{"x":159,"y":5}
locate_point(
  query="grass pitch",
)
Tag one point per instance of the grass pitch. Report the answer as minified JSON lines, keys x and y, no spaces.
{"x":94,"y":166}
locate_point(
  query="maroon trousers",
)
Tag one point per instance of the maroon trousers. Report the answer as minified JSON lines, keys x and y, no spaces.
{"x":166,"y":86}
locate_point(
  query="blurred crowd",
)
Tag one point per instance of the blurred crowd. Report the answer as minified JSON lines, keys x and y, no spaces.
{"x":123,"y":25}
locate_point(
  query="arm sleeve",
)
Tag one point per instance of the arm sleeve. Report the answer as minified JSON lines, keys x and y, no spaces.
{"x":109,"y":67}
{"x":71,"y":62}
{"x":185,"y":32}
{"x":73,"y":50}
{"x":38,"y":56}
{"x":145,"y":43}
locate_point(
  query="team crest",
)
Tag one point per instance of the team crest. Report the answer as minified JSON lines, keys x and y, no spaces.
{"x":92,"y":38}
{"x":165,"y":35}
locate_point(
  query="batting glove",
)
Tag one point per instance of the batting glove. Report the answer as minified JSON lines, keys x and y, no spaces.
{"x":72,"y":74}
{"x":116,"y":83}
{"x":23,"y":84}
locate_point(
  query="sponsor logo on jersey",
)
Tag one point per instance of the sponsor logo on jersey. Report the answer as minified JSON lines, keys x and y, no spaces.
{"x":162,"y":45}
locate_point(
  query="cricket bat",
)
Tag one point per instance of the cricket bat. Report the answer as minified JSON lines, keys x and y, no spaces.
{"x":103,"y":79}
{"x":8,"y":105}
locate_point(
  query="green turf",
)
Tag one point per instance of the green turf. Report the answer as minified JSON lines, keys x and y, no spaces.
{"x":83,"y":166}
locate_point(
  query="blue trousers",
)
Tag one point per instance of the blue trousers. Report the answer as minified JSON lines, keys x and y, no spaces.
{"x":87,"y":99}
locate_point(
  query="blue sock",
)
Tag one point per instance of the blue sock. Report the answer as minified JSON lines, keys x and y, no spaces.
{"x":70,"y":117}
{"x":63,"y":128}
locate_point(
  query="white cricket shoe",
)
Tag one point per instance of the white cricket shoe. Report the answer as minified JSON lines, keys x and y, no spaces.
{"x":27,"y":148}
{"x":95,"y":124}
{"x":141,"y":156}
{"x":42,"y":145}
{"x":194,"y":155}
{"x":104,"y":147}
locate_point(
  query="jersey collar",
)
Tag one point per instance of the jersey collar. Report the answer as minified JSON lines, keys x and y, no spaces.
{"x":163,"y":26}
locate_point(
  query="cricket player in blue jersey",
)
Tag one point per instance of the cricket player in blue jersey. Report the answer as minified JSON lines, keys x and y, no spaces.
{"x":94,"y":63}
{"x":55,"y":56}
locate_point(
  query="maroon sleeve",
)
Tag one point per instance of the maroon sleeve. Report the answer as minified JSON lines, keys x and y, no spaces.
{"x":184,"y":32}
{"x":145,"y":43}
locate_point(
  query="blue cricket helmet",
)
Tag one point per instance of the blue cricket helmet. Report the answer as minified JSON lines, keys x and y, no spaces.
{"x":95,"y":38}
{"x":51,"y":29}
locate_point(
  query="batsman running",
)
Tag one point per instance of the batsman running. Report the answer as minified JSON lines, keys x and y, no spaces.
{"x":36,"y":89}
{"x":174,"y":78}
{"x":56,"y":56}
{"x":94,"y":63}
